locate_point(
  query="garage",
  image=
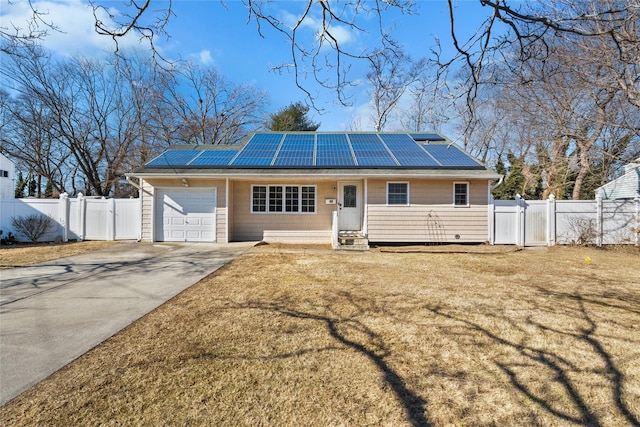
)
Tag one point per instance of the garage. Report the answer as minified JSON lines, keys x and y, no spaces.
{"x":185,"y":215}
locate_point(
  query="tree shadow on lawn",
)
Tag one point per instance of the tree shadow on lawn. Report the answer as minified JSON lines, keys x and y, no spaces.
{"x":566,"y":397}
{"x":532,"y":352}
{"x":339,"y":328}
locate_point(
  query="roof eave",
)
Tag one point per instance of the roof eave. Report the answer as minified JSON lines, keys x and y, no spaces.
{"x":453,"y":173}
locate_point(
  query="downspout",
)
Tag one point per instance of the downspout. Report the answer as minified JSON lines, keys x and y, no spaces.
{"x":496,"y":185}
{"x":130,"y":181}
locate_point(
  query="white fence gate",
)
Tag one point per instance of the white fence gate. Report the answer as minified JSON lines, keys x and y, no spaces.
{"x":80,"y":218}
{"x":550,"y":222}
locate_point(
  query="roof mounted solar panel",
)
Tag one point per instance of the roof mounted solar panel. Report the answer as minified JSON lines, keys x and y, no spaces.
{"x":427,"y":137}
{"x":450,"y":155}
{"x":296,"y":150}
{"x":370,"y":151}
{"x":333,"y":150}
{"x":260,"y":150}
{"x":174,"y":158}
{"x":214,"y":158}
{"x":406,"y":151}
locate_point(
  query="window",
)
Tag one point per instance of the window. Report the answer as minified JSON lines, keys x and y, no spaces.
{"x":275,"y":198}
{"x":283,"y":199}
{"x":259,"y":198}
{"x":461,"y":193}
{"x":350,"y":196}
{"x":308,"y":199}
{"x":292,"y":199}
{"x":397,"y":193}
{"x":4,"y":174}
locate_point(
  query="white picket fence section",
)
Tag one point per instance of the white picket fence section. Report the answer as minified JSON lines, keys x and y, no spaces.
{"x":79,"y":218}
{"x":550,"y":222}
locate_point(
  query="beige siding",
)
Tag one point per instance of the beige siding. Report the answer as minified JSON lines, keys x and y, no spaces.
{"x":430,"y":216}
{"x":230,"y":213}
{"x":146,"y":196}
{"x":251,"y":226}
{"x":148,"y":202}
{"x":297,"y":236}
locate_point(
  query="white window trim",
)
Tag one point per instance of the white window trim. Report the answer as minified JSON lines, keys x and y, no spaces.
{"x":284,"y":199}
{"x":468,"y":194}
{"x":266,"y":200}
{"x":408,"y":193}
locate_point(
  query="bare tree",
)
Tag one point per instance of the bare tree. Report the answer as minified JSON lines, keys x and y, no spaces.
{"x":560,"y":115}
{"x":201,"y":106}
{"x":430,"y":106}
{"x":34,"y":30}
{"x":390,"y":75}
{"x":88,"y":113}
{"x":29,"y":137}
{"x":323,"y":56}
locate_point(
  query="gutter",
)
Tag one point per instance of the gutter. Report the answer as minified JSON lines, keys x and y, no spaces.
{"x":327,"y":174}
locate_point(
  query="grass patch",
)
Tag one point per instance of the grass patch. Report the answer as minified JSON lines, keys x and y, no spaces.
{"x":21,"y":254}
{"x":525,"y":338}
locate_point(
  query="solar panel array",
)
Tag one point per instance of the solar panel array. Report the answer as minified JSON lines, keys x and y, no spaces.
{"x":308,"y":150}
{"x":213,"y":158}
{"x":370,"y":151}
{"x":296,"y":150}
{"x":260,"y":150}
{"x":449,"y":155}
{"x":174,"y":158}
{"x":406,"y":151}
{"x":333,"y":149}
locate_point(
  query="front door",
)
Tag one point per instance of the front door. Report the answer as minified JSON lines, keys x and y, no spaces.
{"x":350,"y":206}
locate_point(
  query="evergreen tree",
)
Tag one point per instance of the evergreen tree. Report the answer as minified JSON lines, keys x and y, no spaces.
{"x":292,"y":118}
{"x":33,"y":186}
{"x":21,"y":184}
{"x":514,"y":178}
{"x":48,"y":190}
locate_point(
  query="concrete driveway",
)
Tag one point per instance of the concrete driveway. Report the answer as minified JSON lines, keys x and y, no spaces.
{"x":54,"y":312}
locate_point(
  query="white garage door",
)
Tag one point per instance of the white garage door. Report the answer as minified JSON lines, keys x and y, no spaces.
{"x":185,"y":215}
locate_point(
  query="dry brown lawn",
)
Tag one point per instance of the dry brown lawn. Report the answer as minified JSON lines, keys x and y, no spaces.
{"x":21,"y":254}
{"x":535,"y":337}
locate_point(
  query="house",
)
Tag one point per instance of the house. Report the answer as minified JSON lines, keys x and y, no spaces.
{"x":626,"y":186}
{"x":310,"y":187}
{"x":7,"y":178}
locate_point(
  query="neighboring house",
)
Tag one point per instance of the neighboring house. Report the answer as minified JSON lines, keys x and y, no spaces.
{"x":625,"y":187}
{"x":7,"y":178}
{"x":299,"y":186}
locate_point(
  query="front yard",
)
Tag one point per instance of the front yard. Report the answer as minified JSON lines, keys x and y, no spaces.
{"x":536,"y":337}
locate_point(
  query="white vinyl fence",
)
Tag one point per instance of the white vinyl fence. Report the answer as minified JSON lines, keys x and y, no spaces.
{"x":550,"y":222}
{"x":81,"y":218}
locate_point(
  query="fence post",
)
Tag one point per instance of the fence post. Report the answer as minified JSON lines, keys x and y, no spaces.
{"x":637,"y":229}
{"x":64,"y":216}
{"x":520,"y":226}
{"x":551,"y":220}
{"x":599,"y":220}
{"x":111,"y":219}
{"x":491,"y":212}
{"x":82,"y":216}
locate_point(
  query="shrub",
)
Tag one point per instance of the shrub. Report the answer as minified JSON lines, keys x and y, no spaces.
{"x":584,"y":230}
{"x":33,"y":227}
{"x":8,"y":239}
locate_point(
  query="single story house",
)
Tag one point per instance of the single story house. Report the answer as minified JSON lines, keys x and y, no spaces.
{"x":626,"y":186}
{"x":311,"y":187}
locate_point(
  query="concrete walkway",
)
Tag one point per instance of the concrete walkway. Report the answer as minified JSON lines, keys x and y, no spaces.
{"x":54,"y":312}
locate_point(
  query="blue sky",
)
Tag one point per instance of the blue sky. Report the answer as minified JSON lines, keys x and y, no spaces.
{"x":219,"y":34}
